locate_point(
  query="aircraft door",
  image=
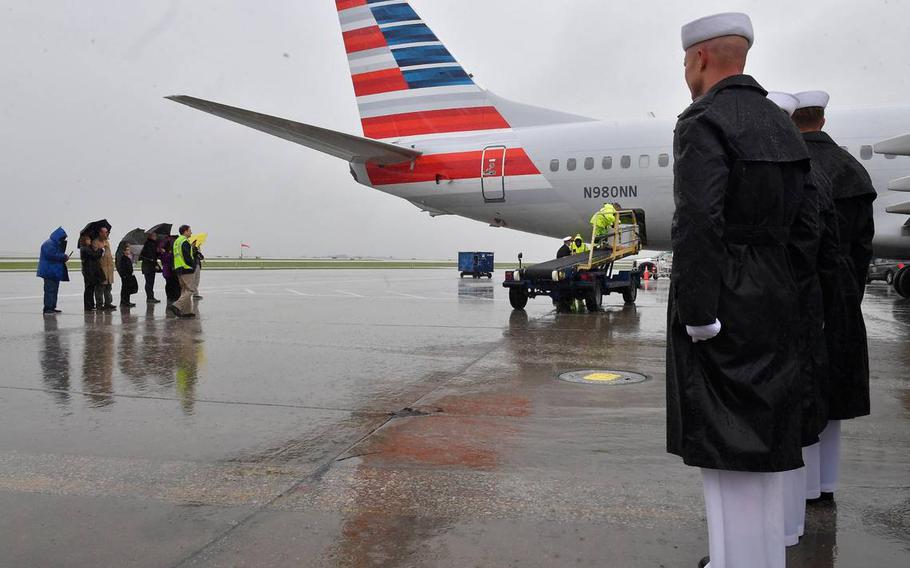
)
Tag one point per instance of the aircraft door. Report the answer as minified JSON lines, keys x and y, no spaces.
{"x":493,"y":174}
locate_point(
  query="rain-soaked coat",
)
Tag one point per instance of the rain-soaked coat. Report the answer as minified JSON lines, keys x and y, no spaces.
{"x":815,"y":256}
{"x":52,"y":262}
{"x":845,"y":330}
{"x":733,"y":402}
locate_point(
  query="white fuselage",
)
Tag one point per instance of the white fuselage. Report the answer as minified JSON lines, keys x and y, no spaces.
{"x":630,"y":162}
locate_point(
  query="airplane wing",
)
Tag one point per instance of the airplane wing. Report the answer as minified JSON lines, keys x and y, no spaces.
{"x":898,"y":146}
{"x":339,"y":144}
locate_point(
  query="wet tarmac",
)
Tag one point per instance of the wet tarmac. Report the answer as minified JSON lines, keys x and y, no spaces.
{"x":384,"y":418}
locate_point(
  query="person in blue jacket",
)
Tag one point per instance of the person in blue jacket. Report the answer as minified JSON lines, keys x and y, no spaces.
{"x":52,"y":268}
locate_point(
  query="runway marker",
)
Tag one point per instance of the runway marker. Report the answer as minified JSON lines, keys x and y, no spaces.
{"x":297,"y":292}
{"x":407,"y":295}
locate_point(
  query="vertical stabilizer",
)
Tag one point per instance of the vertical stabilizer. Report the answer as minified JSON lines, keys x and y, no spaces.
{"x":406,"y":81}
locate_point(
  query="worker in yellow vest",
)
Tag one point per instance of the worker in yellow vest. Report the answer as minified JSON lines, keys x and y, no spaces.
{"x":579,"y":246}
{"x":185,"y":267}
{"x":604,"y":219}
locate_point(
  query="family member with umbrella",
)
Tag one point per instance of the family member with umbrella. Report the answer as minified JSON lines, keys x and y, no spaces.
{"x":52,"y":268}
{"x":104,"y":292}
{"x":128,"y":283}
{"x":197,"y":240}
{"x":149,"y":257}
{"x":129,"y":248}
{"x":91,"y":270}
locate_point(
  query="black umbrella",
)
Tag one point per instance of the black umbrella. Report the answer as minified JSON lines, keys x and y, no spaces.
{"x":93,"y":228}
{"x":135,"y":239}
{"x":161,"y":229}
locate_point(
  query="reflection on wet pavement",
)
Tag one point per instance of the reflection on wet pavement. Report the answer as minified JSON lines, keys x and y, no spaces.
{"x":351,"y":419}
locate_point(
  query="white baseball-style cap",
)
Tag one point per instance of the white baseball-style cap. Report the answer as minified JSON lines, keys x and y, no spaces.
{"x":785,"y":101}
{"x":808,"y":99}
{"x":718,"y":25}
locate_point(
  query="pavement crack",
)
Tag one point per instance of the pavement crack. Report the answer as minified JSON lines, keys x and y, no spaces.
{"x":108,"y":394}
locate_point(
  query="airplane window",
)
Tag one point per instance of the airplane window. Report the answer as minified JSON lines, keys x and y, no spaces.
{"x":625,"y":162}
{"x":570,"y":164}
{"x":607,"y":162}
{"x":589,"y":163}
{"x":663,"y":160}
{"x":554,"y":165}
{"x":865,"y":152}
{"x":644,"y":161}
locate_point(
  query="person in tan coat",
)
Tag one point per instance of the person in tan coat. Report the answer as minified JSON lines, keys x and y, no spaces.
{"x":104,"y":298}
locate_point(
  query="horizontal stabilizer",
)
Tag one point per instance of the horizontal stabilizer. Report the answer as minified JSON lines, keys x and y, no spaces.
{"x":899,"y":184}
{"x":897,"y":146}
{"x":339,"y":144}
{"x":901,"y":209}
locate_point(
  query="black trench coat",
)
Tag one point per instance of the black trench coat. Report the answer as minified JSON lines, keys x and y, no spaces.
{"x":733,"y":403}
{"x":818,"y":266}
{"x":845,"y":330}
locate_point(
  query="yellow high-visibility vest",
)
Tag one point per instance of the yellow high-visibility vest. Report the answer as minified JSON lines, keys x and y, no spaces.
{"x":179,"y":261}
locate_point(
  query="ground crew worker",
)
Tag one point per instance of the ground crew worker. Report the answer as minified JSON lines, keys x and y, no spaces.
{"x":739,"y":174}
{"x":848,"y":383}
{"x":603,"y":221}
{"x":185,"y":266}
{"x":566,"y":248}
{"x":579,"y":246}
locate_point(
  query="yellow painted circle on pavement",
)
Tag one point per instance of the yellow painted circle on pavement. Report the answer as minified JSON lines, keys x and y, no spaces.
{"x":602,"y":377}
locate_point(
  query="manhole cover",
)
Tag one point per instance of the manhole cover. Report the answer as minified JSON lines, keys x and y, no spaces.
{"x":602,"y":377}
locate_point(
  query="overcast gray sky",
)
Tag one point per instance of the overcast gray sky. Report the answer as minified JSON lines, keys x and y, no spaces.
{"x":86,"y":133}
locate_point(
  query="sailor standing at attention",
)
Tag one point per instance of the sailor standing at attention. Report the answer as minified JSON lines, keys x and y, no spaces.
{"x":732,"y":365}
{"x":848,"y":382}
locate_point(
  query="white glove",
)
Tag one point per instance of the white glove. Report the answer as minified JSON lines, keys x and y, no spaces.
{"x":703,"y":332}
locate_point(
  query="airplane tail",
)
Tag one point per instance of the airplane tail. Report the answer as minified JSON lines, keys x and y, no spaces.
{"x":408,"y":84}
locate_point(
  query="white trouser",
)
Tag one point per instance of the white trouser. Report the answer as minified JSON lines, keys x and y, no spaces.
{"x":823,"y":462}
{"x":813,"y":476}
{"x":794,"y":482}
{"x":745,"y":514}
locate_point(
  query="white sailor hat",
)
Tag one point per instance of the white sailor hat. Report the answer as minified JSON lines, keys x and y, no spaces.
{"x":785,"y":101}
{"x":718,"y":25}
{"x":808,"y":99}
{"x":569,"y":238}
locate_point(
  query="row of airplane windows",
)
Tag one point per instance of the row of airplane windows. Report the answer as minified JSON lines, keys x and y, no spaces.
{"x":625,"y":162}
{"x":663,"y":160}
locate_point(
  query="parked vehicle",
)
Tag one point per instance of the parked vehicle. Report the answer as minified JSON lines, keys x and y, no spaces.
{"x":885,"y":269}
{"x":475,"y":264}
{"x":660,"y":266}
{"x":586,"y":276}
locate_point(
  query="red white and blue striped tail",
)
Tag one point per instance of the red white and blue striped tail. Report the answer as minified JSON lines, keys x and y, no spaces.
{"x":406,"y":82}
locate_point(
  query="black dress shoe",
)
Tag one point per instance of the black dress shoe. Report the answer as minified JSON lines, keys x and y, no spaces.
{"x":58,"y":311}
{"x":704,"y":562}
{"x":825,"y":497}
{"x":153,"y":301}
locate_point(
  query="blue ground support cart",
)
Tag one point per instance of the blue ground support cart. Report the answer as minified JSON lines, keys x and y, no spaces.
{"x":475,"y":264}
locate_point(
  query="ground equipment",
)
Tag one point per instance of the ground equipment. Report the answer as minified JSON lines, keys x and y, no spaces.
{"x":475,"y":264}
{"x":586,"y":276}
